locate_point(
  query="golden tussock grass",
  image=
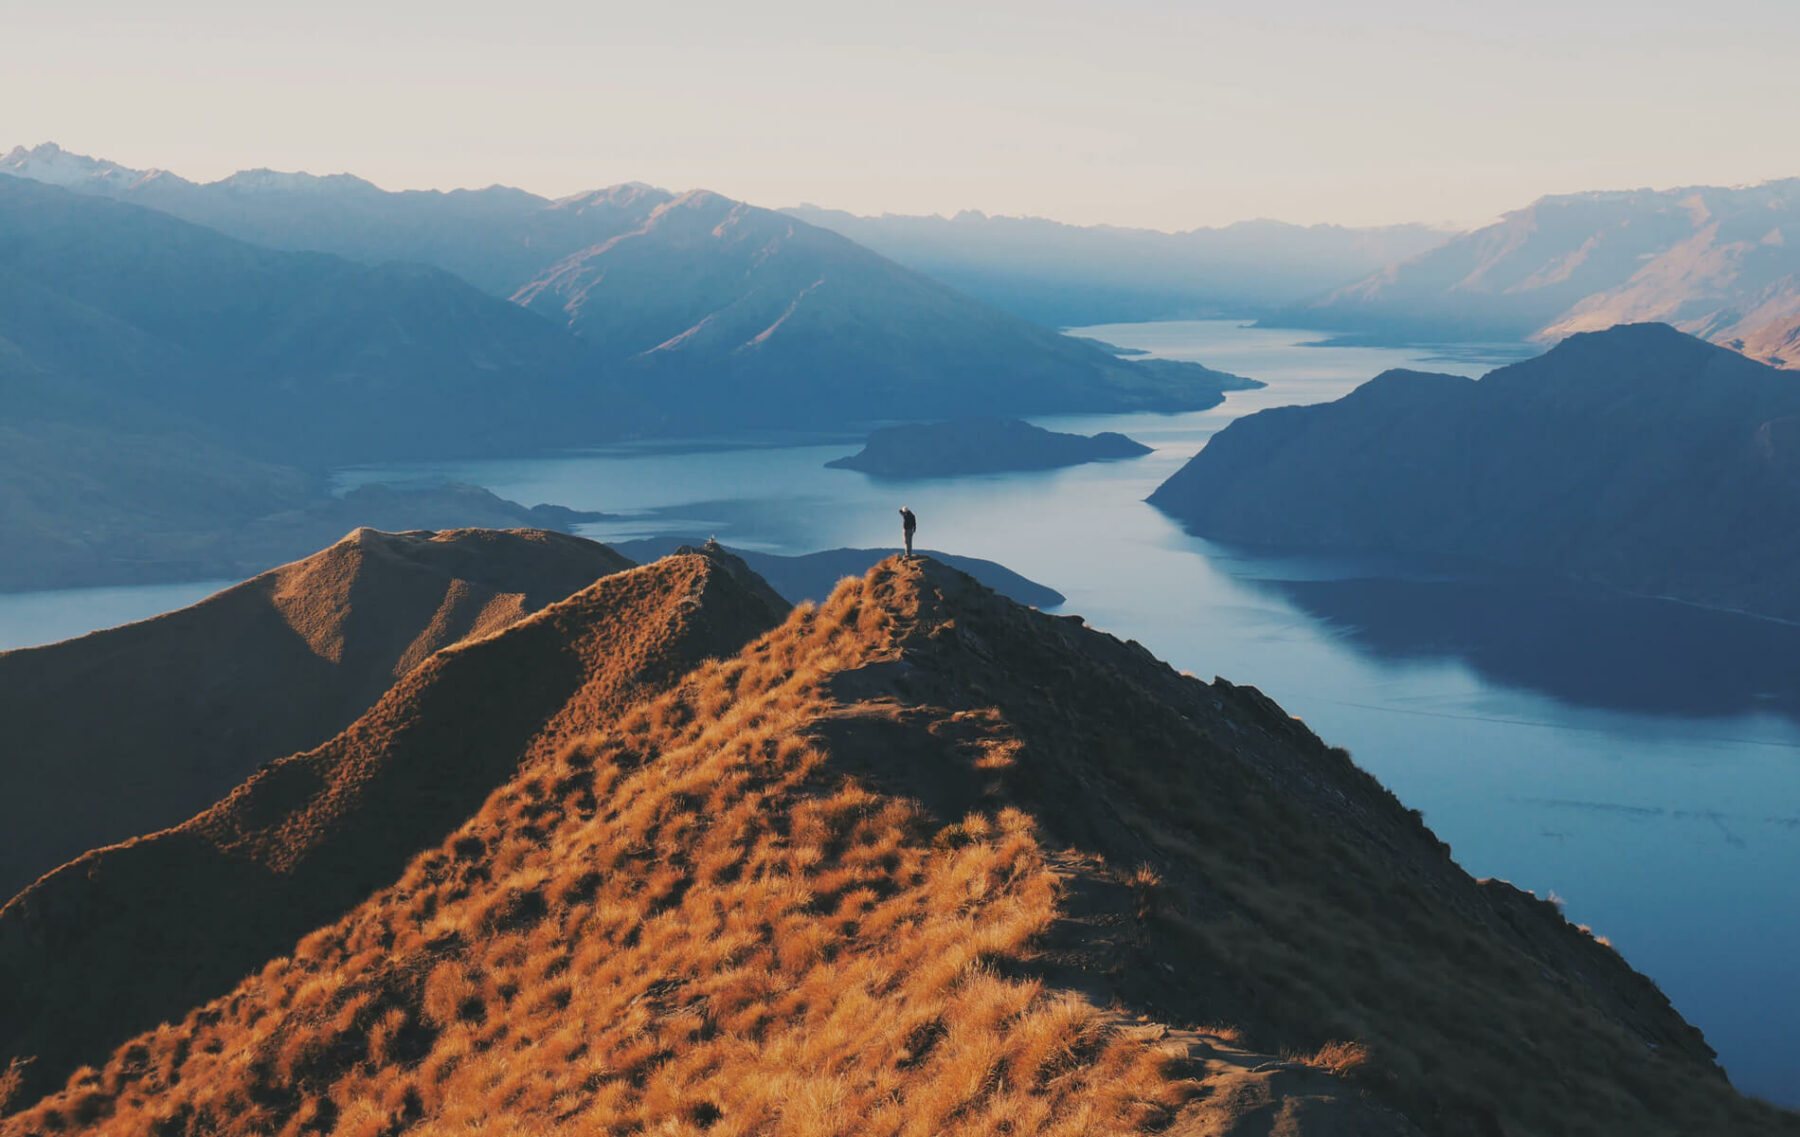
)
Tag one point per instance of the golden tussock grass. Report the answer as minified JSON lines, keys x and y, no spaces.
{"x":686,"y":924}
{"x":910,"y":864}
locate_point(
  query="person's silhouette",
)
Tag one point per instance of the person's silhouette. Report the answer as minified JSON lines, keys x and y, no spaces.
{"x":907,"y":524}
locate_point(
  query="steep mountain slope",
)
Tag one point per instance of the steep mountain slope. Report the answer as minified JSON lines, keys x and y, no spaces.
{"x":116,"y":312}
{"x":194,"y":701}
{"x":497,"y":239}
{"x":1061,"y":275}
{"x":127,"y":936}
{"x":921,"y":861}
{"x":1722,"y":264}
{"x":1637,"y":457}
{"x":731,"y":315}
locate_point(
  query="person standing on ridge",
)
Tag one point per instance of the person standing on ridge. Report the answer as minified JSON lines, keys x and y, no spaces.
{"x":907,"y":524}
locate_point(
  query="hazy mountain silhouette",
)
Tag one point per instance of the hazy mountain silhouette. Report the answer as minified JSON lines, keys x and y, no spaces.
{"x":713,"y":314}
{"x":200,"y":905}
{"x":728,"y":315}
{"x":918,"y":858}
{"x":1639,"y":458}
{"x":977,"y":446}
{"x":120,"y":315}
{"x":197,"y":699}
{"x":498,"y":239}
{"x":1722,"y":264}
{"x":173,"y":393}
{"x":1062,"y":275}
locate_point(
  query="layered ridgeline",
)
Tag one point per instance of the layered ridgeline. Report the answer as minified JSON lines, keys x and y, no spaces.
{"x":1720,"y":263}
{"x":721,"y":315}
{"x":1638,"y":457}
{"x":133,"y":934}
{"x":1063,"y":275}
{"x":739,"y":316}
{"x":130,"y":730}
{"x":917,"y":860}
{"x":500,"y":239}
{"x":121,"y":318}
{"x":173,"y":393}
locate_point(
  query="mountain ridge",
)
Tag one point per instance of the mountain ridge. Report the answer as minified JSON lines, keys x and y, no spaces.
{"x":204,"y":695}
{"x":918,"y":858}
{"x":310,"y":835}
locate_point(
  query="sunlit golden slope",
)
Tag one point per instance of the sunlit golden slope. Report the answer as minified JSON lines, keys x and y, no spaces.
{"x":133,"y":729}
{"x":921,"y":861}
{"x":126,"y":936}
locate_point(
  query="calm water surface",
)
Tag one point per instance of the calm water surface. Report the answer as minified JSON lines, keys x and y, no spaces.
{"x":1638,"y":760}
{"x":31,"y":618}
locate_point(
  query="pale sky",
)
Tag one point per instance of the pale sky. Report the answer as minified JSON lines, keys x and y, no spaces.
{"x":1134,"y":112}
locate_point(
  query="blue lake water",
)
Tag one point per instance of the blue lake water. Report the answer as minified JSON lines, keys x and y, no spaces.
{"x":1639,"y":760}
{"x":31,"y":618}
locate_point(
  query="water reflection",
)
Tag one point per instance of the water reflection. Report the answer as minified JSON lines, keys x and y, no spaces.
{"x":1582,"y":646}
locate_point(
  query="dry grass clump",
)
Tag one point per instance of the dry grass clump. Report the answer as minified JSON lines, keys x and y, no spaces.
{"x":687,"y":924}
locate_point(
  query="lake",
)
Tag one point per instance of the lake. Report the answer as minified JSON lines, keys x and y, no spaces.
{"x":1637,"y":760}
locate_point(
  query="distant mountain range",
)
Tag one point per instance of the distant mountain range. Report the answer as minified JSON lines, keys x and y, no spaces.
{"x":502,"y":239}
{"x":690,"y":313}
{"x":166,"y":383}
{"x":1719,"y":263}
{"x":733,"y":316}
{"x":121,"y":316}
{"x":498,"y":239}
{"x":1638,"y":457}
{"x":1064,"y":275}
{"x":665,"y":856}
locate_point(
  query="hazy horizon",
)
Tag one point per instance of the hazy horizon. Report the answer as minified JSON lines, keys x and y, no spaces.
{"x":1149,"y":115}
{"x":948,"y":215}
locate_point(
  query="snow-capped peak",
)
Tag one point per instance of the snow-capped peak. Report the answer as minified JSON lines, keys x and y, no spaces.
{"x":52,"y":164}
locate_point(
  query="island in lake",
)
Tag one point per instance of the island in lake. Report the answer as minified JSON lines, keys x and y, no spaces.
{"x":980,"y":446}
